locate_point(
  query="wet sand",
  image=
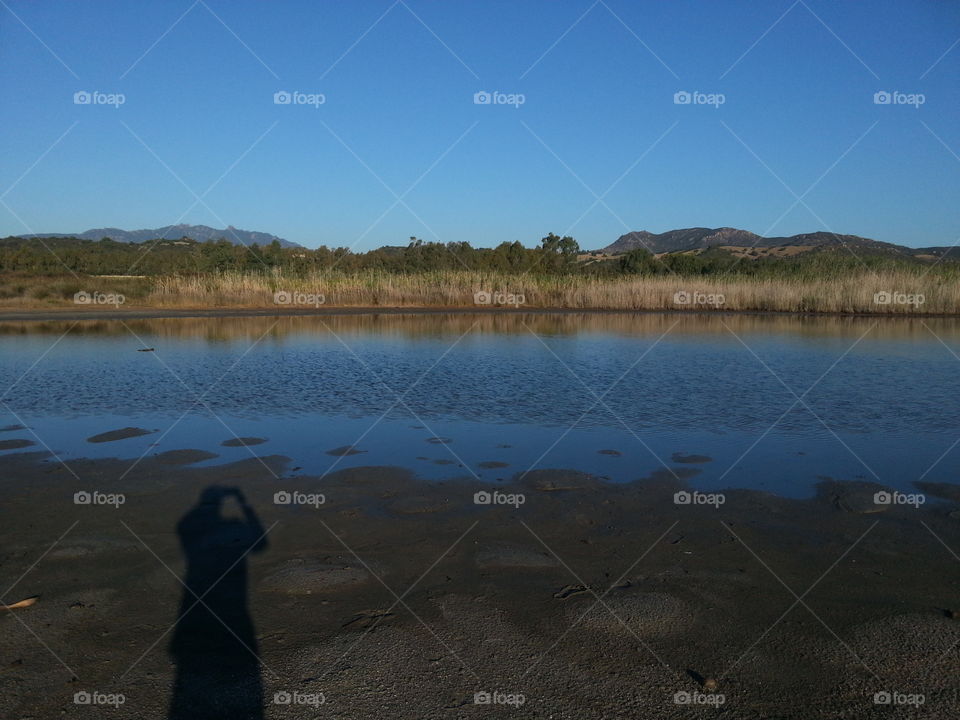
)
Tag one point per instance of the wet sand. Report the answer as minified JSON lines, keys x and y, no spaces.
{"x":396,"y":597}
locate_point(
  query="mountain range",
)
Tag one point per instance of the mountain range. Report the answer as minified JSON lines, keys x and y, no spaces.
{"x":686,"y":240}
{"x":746,"y":242}
{"x":200,"y":233}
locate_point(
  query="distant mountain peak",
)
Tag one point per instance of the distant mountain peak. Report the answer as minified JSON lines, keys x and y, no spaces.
{"x":200,"y":233}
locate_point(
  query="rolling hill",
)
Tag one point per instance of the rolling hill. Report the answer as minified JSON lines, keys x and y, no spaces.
{"x":698,"y":239}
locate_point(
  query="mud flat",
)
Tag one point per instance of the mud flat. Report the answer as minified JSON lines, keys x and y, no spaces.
{"x":396,"y":597}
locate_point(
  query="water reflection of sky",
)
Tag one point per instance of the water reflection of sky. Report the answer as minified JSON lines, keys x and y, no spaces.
{"x":881,"y":407}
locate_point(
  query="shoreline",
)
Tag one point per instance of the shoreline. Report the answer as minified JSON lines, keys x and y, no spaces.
{"x":493,"y":598}
{"x":146,"y":313}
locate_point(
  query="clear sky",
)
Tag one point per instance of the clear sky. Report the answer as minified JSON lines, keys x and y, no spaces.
{"x":398,"y":80}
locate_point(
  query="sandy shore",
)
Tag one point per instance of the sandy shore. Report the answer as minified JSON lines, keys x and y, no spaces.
{"x":395,"y":597}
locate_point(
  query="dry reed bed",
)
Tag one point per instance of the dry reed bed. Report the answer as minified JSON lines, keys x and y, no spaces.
{"x":908,"y":292}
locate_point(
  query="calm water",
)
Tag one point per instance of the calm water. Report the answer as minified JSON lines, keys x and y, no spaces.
{"x":879,"y":397}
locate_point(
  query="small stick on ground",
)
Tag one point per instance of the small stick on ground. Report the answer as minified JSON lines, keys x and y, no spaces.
{"x":27,"y":602}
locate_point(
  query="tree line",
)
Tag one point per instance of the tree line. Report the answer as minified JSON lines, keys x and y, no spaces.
{"x":553,"y":255}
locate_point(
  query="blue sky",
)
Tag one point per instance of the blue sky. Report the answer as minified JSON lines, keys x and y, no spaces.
{"x":398,"y":80}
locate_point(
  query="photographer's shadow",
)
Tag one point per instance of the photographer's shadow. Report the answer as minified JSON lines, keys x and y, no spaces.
{"x":214,"y":645}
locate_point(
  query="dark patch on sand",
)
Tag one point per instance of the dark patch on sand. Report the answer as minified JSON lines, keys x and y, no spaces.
{"x":15,"y":444}
{"x":439,"y":440}
{"x":852,"y":497}
{"x":614,"y":453}
{"x":671,"y":474}
{"x":345,"y":450}
{"x":243,"y":442}
{"x":493,"y":464}
{"x":11,"y":428}
{"x":183,"y":457}
{"x":515,"y":556}
{"x":121,"y":434}
{"x":368,"y":618}
{"x":570,"y":590}
{"x":652,"y":614}
{"x":304,"y":577}
{"x":444,"y":461}
{"x":556,"y":480}
{"x":690,"y":459}
{"x":419,"y":504}
{"x":944,"y":491}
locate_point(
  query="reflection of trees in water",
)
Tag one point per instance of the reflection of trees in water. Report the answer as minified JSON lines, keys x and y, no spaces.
{"x":214,"y":643}
{"x":439,"y":324}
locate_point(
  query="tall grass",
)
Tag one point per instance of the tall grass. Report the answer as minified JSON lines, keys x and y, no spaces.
{"x":854,"y":293}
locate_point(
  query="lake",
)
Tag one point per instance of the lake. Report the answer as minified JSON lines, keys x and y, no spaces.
{"x":749,"y":401}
